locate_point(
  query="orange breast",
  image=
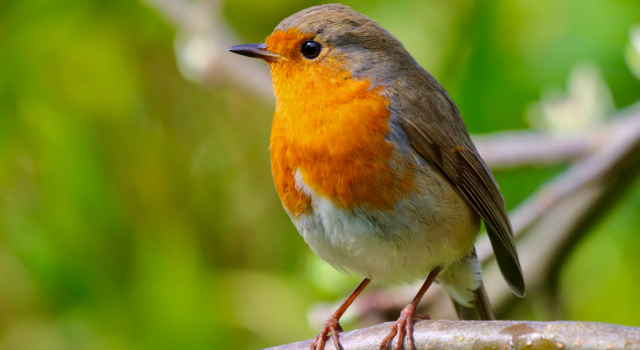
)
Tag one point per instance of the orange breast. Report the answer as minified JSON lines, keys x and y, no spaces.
{"x":332,"y":129}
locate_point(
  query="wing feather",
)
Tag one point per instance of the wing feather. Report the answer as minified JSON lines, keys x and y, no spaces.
{"x":451,"y":149}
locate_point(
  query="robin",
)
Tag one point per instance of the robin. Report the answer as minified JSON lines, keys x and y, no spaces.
{"x":374,"y":165}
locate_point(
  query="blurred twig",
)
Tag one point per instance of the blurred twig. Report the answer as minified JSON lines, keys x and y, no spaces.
{"x":615,"y":182}
{"x":564,"y":208}
{"x":512,"y":149}
{"x":494,"y":335}
{"x":201,"y":40}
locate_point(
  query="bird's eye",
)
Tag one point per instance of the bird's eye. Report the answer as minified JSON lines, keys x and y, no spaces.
{"x":310,"y":49}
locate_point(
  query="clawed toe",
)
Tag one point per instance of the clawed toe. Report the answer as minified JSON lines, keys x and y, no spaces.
{"x":403,"y":328}
{"x":331,"y":326}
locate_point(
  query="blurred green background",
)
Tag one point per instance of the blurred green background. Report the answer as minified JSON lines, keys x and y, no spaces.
{"x":137,"y":209}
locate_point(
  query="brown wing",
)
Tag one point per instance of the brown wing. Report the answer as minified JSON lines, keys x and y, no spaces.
{"x":440,"y":136}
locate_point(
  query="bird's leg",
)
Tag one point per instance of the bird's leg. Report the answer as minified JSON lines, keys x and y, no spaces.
{"x":407,"y":316}
{"x":332,"y":324}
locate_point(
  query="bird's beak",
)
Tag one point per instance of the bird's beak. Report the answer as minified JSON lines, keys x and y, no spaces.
{"x":255,"y":50}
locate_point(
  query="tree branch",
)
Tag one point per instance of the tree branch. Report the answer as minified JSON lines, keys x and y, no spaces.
{"x":494,"y":335}
{"x":512,"y":149}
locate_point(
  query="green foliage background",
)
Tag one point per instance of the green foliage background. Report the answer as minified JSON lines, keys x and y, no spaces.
{"x":137,"y":209}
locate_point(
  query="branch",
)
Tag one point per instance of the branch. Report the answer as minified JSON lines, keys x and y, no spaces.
{"x":494,"y":335}
{"x":511,"y":149}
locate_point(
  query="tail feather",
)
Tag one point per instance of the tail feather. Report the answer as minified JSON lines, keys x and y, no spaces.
{"x":481,"y":310}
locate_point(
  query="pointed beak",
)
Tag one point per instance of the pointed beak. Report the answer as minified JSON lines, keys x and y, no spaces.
{"x":254,"y":50}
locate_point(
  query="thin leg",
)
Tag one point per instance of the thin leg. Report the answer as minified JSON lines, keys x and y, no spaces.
{"x":405,"y":322}
{"x":332,"y":324}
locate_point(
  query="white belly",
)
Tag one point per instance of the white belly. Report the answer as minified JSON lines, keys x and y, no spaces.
{"x":429,"y":229}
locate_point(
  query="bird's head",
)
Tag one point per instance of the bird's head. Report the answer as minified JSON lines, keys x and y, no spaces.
{"x":326,"y":45}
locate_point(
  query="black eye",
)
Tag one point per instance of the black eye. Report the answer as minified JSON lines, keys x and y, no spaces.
{"x":310,"y":49}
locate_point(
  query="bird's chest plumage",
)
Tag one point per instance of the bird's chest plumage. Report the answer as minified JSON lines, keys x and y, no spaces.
{"x":336,"y":141}
{"x":361,"y":201}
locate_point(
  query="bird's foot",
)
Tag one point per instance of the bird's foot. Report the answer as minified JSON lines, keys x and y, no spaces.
{"x":403,"y":326}
{"x":330,"y":326}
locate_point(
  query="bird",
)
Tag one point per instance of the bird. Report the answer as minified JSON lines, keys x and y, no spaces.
{"x":374,"y":165}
